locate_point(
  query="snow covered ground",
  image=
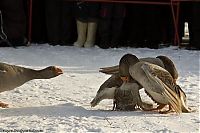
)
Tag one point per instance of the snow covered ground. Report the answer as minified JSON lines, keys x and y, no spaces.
{"x":62,"y":104}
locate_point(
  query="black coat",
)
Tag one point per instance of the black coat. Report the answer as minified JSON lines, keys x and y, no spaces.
{"x":87,"y":11}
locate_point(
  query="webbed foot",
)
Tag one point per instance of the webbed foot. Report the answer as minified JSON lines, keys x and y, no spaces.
{"x":153,"y":109}
{"x":3,"y":105}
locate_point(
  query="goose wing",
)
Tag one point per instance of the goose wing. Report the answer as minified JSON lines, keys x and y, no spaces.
{"x":160,"y":73}
{"x":113,"y":81}
{"x":107,"y":89}
{"x":163,"y":82}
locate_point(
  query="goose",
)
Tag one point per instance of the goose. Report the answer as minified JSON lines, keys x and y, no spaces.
{"x":12,"y":76}
{"x":107,"y":89}
{"x":157,"y":82}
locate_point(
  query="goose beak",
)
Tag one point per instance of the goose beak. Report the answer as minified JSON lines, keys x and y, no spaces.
{"x":58,"y":71}
{"x":125,"y":79}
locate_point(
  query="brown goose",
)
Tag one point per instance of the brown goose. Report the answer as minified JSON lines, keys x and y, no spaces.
{"x":12,"y":76}
{"x":157,"y":82}
{"x":107,"y":89}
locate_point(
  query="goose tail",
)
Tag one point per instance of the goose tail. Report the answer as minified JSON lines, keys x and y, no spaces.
{"x":109,"y":70}
{"x":173,"y":99}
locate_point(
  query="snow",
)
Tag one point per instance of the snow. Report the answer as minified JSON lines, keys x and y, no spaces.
{"x":62,"y":104}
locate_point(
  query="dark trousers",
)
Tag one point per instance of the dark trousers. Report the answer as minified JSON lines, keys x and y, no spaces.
{"x":14,"y":20}
{"x":143,"y":26}
{"x":110,"y":24}
{"x":59,"y":21}
{"x":39,"y":34}
{"x":195,"y":30}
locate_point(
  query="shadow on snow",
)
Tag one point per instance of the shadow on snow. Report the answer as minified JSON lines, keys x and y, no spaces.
{"x":68,"y":109}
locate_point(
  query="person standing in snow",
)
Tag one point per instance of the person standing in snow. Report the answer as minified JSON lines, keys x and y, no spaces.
{"x":189,"y":12}
{"x":38,"y":22}
{"x":144,"y":26}
{"x":59,"y":22}
{"x":13,"y":22}
{"x":86,"y":20}
{"x":111,"y":23}
{"x":195,"y":27}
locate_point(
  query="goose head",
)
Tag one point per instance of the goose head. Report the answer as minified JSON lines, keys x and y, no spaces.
{"x":169,"y":66}
{"x":49,"y":72}
{"x":125,"y":62}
